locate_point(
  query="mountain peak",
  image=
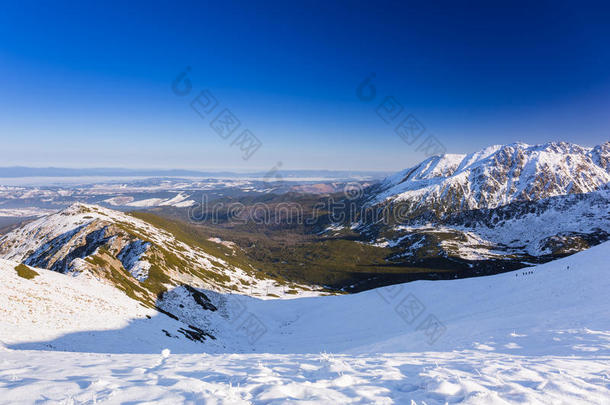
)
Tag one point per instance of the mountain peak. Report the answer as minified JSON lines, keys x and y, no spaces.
{"x":498,"y":175}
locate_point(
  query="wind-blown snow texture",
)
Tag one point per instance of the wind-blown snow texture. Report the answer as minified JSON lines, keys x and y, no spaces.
{"x":537,"y":335}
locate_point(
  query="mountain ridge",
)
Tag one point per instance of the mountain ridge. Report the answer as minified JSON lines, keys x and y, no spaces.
{"x":518,"y":203}
{"x":138,"y":258}
{"x":496,"y":176}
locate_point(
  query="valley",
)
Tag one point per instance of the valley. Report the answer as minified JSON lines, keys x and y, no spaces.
{"x":433,"y":264}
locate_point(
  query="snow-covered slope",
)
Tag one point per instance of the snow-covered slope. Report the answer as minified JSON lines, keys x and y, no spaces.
{"x":520,"y":231}
{"x":515,"y":203}
{"x":569,"y":293}
{"x":124,"y":251}
{"x":538,"y":302}
{"x":538,"y":335}
{"x":52,"y":305}
{"x":496,"y":176}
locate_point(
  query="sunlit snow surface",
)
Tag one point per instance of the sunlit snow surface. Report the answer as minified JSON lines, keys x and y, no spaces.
{"x":474,"y":377}
{"x":537,"y":335}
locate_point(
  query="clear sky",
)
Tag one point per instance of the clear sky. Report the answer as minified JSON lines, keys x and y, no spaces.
{"x":89,"y":85}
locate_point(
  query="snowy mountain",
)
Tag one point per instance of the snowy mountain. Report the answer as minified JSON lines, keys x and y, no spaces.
{"x":497,"y":176}
{"x":515,"y":203}
{"x":132,"y":255}
{"x":537,"y":335}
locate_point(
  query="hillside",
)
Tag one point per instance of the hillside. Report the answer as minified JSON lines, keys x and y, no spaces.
{"x":138,"y":258}
{"x":568,"y":294}
{"x":532,"y":336}
{"x":50,"y":305}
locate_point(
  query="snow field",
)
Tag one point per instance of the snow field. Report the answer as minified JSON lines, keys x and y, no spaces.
{"x":540,"y":335}
{"x":468,"y":377}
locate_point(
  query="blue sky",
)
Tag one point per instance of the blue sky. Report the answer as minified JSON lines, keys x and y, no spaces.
{"x":89,"y":85}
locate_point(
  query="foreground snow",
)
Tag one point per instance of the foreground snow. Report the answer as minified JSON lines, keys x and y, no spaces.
{"x":473,"y":377}
{"x":537,"y":335}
